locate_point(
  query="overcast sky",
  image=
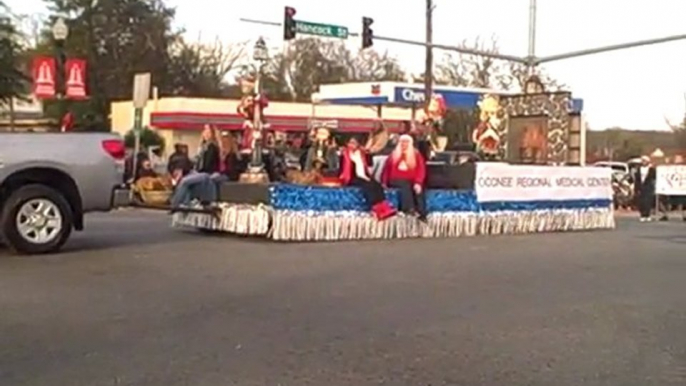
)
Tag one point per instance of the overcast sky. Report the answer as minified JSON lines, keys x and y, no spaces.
{"x":635,"y":88}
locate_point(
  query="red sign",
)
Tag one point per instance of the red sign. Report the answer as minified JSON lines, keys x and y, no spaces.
{"x":376,"y":89}
{"x":75,"y":75}
{"x":43,"y":71}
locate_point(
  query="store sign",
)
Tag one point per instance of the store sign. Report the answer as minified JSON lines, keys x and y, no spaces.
{"x":671,"y":180}
{"x":409,"y":95}
{"x":503,"y":182}
{"x":75,"y":71}
{"x":43,"y":71}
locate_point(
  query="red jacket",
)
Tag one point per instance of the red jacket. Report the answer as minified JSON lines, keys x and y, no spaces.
{"x":347,"y":168}
{"x":391,"y":171}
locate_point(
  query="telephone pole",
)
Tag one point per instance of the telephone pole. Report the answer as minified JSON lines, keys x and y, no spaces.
{"x":429,"y":64}
{"x":532,"y":37}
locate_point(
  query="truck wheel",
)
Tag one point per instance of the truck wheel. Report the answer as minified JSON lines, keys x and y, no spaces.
{"x":36,"y":219}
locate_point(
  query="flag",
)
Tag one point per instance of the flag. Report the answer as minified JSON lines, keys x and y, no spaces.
{"x":75,"y":74}
{"x":43,"y":71}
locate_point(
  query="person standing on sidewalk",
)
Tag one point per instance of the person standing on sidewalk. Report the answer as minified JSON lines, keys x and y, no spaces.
{"x":644,"y":181}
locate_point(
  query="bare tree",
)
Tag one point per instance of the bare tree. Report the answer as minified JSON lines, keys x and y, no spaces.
{"x":482,"y":72}
{"x":472,"y":70}
{"x":202,"y":69}
{"x":679,"y":129}
{"x":372,"y":66}
{"x":307,"y":63}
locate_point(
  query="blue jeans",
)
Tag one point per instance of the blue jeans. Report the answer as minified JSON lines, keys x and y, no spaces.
{"x":378,"y":163}
{"x":200,"y":186}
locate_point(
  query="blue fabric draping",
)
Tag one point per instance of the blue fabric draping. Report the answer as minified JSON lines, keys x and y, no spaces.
{"x":313,"y":198}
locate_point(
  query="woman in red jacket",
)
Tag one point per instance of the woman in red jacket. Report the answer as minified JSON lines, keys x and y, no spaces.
{"x":405,"y":170}
{"x":355,"y":171}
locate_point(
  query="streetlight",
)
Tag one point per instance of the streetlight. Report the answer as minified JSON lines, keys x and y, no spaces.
{"x":261,"y":56}
{"x":60,"y":33}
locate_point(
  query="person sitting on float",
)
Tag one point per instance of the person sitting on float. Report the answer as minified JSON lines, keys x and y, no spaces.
{"x":325,"y":150}
{"x":198,"y":184}
{"x":405,"y":170}
{"x":355,"y":171}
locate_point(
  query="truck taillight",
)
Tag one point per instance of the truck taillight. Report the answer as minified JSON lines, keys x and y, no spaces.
{"x":115,"y":148}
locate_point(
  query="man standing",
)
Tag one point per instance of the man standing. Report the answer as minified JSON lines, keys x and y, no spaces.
{"x":644,"y":187}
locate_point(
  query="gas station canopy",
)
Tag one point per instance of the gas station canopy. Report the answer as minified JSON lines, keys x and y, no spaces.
{"x":405,"y":95}
{"x":397,"y":94}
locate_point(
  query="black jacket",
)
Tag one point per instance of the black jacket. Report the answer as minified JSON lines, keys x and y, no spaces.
{"x":647,"y":185}
{"x":179,"y":161}
{"x":208,"y":161}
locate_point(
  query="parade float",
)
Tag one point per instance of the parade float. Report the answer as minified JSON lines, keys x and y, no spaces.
{"x":526,"y":188}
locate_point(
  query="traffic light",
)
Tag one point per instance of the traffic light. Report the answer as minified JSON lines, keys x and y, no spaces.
{"x":288,"y":23}
{"x":367,"y":32}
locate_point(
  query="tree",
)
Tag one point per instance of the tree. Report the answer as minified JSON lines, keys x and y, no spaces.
{"x":13,"y":80}
{"x":201,"y":69}
{"x":478,"y":71}
{"x":119,"y":38}
{"x":372,"y":66}
{"x":149,"y":138}
{"x":679,"y":130}
{"x":297,"y":73}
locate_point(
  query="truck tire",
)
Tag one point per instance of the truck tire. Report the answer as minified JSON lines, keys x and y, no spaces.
{"x":36,"y":219}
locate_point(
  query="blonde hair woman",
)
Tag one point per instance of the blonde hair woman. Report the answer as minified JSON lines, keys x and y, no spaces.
{"x":405,"y":170}
{"x":199,"y":184}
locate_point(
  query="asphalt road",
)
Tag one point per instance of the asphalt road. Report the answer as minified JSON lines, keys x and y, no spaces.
{"x":132,"y":302}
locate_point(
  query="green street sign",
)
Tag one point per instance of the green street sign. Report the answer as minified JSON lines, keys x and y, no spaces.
{"x":326,"y":30}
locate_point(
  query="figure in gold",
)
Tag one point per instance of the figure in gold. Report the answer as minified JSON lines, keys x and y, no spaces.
{"x":486,"y":136}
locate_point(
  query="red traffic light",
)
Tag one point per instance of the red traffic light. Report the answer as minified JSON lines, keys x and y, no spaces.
{"x":290,"y":11}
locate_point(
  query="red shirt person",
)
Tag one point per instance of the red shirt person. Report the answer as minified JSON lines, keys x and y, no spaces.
{"x":356,"y":172}
{"x":405,"y":170}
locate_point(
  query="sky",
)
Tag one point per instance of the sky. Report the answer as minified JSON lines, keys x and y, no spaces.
{"x":637,"y":88}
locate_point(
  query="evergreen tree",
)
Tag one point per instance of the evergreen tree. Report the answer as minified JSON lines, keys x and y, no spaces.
{"x":13,"y":80}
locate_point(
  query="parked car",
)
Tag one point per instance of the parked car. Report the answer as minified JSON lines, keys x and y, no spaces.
{"x":614,"y":165}
{"x":48,"y":181}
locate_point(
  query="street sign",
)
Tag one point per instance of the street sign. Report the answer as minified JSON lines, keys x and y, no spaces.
{"x":325,"y":30}
{"x":141,"y":90}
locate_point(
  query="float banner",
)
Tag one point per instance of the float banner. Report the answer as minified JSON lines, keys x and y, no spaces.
{"x":671,"y":180}
{"x":503,"y":182}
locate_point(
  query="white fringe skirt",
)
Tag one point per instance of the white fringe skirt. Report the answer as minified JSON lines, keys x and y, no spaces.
{"x":284,"y":225}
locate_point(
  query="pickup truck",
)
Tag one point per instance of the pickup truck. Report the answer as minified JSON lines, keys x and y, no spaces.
{"x":48,"y":181}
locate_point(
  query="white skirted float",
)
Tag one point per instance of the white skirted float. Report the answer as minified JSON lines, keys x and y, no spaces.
{"x":507,"y":199}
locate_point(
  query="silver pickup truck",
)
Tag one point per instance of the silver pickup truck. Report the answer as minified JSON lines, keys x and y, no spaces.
{"x":49,"y":180}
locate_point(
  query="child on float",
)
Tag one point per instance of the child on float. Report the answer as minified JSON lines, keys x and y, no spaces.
{"x":355,"y":171}
{"x":405,"y":170}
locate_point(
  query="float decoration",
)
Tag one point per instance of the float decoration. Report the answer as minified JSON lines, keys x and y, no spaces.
{"x":251,"y":107}
{"x":486,"y":136}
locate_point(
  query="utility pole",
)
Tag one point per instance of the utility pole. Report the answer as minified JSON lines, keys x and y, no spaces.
{"x":429,"y":64}
{"x":532,"y":38}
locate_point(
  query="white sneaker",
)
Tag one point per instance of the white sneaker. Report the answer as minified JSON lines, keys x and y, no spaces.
{"x":642,"y":219}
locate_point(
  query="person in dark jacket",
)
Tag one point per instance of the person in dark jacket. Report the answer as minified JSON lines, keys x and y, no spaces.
{"x":198,"y":184}
{"x":179,"y":162}
{"x":644,"y":188}
{"x":209,"y":156}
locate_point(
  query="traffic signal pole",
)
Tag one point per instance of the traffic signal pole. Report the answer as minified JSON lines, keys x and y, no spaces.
{"x":532,"y":61}
{"x":446,"y":47}
{"x":614,"y":47}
